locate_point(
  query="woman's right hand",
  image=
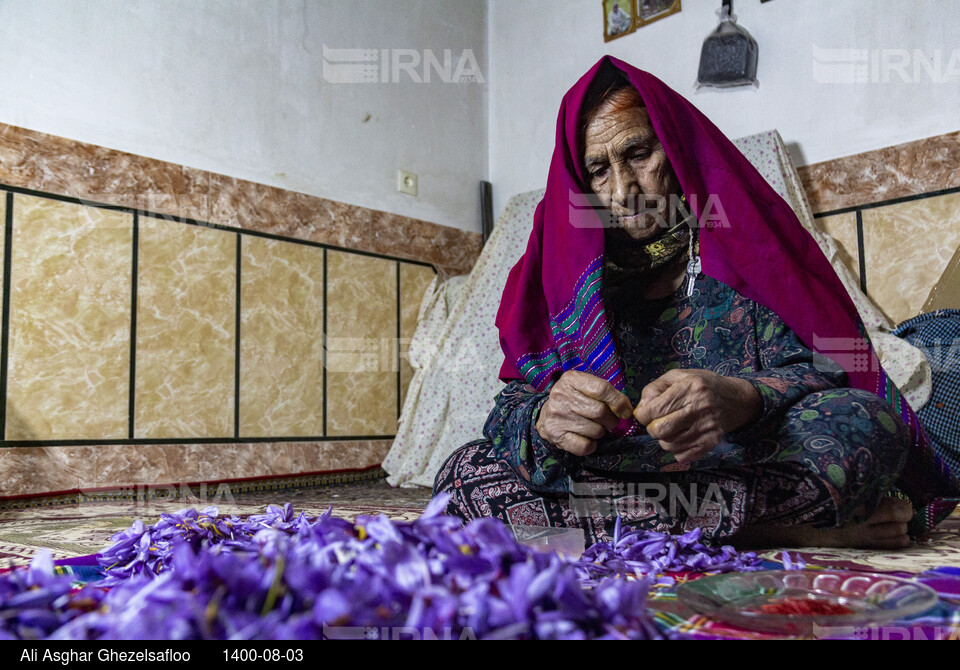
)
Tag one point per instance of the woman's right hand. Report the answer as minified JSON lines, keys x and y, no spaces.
{"x":580,"y":409}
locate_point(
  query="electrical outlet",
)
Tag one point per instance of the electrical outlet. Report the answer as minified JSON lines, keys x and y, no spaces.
{"x":406,"y":182}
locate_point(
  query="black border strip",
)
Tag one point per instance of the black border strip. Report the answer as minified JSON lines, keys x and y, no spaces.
{"x":861,"y":258}
{"x":5,"y":338}
{"x":135,"y":270}
{"x":205,"y":224}
{"x":323,"y":353}
{"x":885,"y":203}
{"x":236,"y":349}
{"x":399,"y":380}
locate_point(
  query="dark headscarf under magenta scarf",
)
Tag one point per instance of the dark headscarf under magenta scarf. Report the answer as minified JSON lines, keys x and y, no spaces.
{"x":552,"y":317}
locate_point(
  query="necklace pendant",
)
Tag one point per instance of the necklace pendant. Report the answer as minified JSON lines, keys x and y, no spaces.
{"x":693,"y":271}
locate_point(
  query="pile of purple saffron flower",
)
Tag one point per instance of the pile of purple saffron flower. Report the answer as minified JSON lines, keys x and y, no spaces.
{"x":36,"y":602}
{"x":646,"y":553}
{"x":280,"y":575}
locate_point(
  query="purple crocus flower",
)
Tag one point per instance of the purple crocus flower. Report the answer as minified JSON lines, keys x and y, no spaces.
{"x":278,"y":575}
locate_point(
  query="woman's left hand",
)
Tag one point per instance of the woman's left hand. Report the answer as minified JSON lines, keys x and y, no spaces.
{"x":689,"y":411}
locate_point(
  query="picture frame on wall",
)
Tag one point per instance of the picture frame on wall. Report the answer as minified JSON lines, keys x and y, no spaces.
{"x":648,"y":11}
{"x":618,"y":18}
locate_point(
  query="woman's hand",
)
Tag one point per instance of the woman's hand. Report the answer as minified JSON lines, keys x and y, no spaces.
{"x":689,"y":411}
{"x":580,"y":410}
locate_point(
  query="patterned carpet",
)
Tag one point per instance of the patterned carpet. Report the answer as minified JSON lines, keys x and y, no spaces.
{"x":84,"y":528}
{"x":941,"y":549}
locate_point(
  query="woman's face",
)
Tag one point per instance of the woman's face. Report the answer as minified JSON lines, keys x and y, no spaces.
{"x":629,"y":171}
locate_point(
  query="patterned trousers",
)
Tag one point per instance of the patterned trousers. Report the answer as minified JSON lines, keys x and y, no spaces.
{"x":828,"y":463}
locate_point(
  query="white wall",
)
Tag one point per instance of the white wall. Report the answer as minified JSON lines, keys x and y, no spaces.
{"x":236,"y":87}
{"x":539,"y":49}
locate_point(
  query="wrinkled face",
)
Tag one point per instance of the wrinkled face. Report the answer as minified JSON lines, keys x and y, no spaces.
{"x":628,"y":170}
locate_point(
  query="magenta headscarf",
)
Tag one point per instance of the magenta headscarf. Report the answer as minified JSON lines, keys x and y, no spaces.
{"x":552,"y":317}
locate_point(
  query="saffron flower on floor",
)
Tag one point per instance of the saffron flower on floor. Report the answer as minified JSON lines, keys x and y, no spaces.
{"x":282,"y":575}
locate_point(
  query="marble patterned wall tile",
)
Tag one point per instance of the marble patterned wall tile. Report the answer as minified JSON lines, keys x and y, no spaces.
{"x":36,"y":470}
{"x":440,"y":245}
{"x":186,"y":317}
{"x":843,"y":229}
{"x":70,"y":305}
{"x":118,"y":465}
{"x":124,"y":465}
{"x":281,"y":339}
{"x":34,"y":160}
{"x":912,"y":168}
{"x":242,"y":204}
{"x":339,"y":454}
{"x":414,"y":280}
{"x":26,"y":470}
{"x":361,"y":345}
{"x":907,"y":247}
{"x":200,"y":398}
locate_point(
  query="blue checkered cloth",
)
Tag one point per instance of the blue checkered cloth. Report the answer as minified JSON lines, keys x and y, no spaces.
{"x":937,"y":334}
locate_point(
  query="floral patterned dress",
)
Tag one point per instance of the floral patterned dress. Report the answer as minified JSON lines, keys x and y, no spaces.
{"x":819,"y":454}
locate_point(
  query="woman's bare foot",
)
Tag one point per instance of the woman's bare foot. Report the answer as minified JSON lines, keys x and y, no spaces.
{"x":885,"y":529}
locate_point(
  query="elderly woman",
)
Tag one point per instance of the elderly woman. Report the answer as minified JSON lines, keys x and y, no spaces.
{"x":662,"y":337}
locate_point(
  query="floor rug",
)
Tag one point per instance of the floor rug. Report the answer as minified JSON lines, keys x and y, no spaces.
{"x":77,"y":529}
{"x":84,"y":528}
